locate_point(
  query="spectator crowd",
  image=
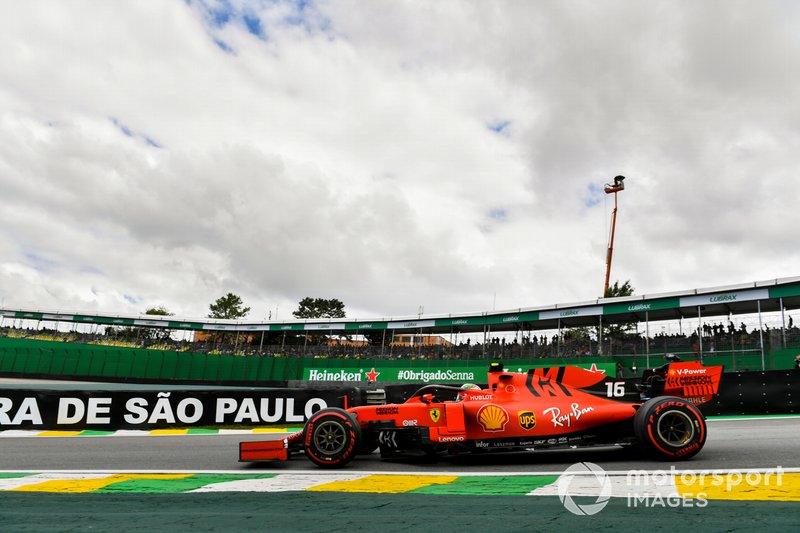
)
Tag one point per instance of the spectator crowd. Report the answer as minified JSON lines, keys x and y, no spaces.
{"x":708,"y":339}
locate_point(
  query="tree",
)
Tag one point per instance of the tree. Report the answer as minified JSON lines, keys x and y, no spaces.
{"x":319,"y":308}
{"x":229,"y":306}
{"x":620,"y":333}
{"x":145,"y":334}
{"x":160,"y":310}
{"x":617,"y":332}
{"x":159,"y":334}
{"x":616,"y":290}
{"x":376,"y":338}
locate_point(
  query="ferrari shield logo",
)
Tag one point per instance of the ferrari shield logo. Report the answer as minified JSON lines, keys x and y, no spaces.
{"x":435,"y":414}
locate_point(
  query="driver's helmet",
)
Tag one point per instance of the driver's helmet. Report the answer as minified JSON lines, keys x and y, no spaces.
{"x":464,"y":388}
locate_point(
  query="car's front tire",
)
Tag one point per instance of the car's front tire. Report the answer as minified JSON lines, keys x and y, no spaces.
{"x":331,"y":438}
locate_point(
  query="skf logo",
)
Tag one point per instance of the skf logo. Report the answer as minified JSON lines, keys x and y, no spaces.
{"x":527,"y":420}
{"x":435,"y":414}
{"x":492,"y":417}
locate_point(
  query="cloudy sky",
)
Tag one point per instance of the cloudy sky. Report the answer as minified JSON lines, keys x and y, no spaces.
{"x":446,"y":154}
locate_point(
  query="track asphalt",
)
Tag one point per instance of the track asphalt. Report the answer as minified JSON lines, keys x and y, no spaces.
{"x":366,"y":501}
{"x":384,"y":513}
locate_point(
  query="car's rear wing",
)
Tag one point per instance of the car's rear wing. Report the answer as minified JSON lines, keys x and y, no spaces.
{"x":692,"y":381}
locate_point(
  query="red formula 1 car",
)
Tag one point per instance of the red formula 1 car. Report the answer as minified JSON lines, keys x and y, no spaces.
{"x":564,"y":407}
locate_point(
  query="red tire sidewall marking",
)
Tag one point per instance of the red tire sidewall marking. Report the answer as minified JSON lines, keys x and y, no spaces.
{"x":689,"y":407}
{"x":348,"y":424}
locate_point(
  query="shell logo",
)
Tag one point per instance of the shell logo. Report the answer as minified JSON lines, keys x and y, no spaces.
{"x":492,"y":417}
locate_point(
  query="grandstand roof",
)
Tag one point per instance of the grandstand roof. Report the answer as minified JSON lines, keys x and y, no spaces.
{"x":744,"y":298}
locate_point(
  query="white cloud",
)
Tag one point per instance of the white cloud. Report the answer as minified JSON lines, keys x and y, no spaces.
{"x":348,"y":151}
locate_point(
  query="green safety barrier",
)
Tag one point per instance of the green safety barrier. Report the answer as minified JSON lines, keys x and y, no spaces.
{"x":50,"y":358}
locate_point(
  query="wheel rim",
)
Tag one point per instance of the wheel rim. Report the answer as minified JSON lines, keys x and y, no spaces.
{"x":675,"y":428}
{"x":330,"y":437}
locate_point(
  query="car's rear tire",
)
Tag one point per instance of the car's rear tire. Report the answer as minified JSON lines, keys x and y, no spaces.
{"x":331,"y":438}
{"x":670,"y":428}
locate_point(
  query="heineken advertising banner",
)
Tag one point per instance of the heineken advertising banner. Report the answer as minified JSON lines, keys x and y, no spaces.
{"x":109,"y":410}
{"x":453,"y":374}
{"x":388,"y":374}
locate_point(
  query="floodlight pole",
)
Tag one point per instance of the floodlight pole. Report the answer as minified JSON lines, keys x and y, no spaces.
{"x":615,"y":188}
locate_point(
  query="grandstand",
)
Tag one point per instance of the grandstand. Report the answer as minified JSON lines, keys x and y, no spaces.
{"x":738,"y":321}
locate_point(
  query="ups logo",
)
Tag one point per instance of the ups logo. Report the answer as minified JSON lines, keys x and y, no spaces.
{"x":527,"y":419}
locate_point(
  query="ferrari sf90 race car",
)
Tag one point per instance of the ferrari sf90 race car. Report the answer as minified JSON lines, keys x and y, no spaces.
{"x":545,"y":408}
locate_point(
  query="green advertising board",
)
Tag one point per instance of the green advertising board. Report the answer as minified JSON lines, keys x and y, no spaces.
{"x":457,"y":374}
{"x":641,"y":307}
{"x":390,"y":375}
{"x":783,"y":292}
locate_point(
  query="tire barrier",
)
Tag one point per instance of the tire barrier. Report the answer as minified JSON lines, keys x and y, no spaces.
{"x":112,"y":410}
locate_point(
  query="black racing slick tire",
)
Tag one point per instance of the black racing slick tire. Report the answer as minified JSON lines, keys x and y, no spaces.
{"x":331,"y":438}
{"x":670,"y":428}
